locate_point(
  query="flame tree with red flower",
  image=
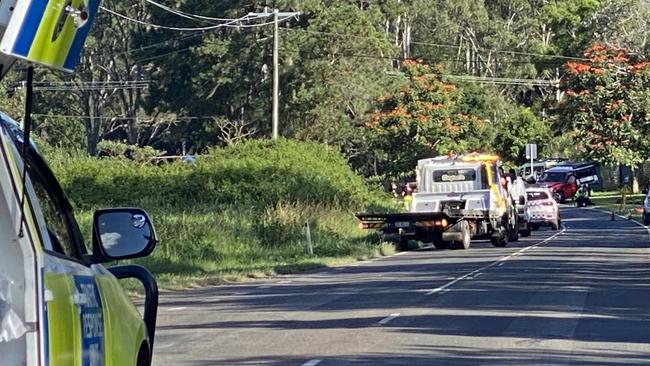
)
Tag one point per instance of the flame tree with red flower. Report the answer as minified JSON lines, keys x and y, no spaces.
{"x":607,"y":105}
{"x":422,"y":119}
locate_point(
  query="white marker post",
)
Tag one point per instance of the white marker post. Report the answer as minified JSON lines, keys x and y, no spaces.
{"x":310,"y":248}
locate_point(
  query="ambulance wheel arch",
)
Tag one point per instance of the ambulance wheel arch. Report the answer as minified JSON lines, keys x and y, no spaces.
{"x":144,"y":356}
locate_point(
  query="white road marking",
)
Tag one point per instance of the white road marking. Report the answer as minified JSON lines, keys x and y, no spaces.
{"x":312,"y":363}
{"x":498,"y":262}
{"x":284,"y":282}
{"x":388,"y":318}
{"x":178,"y":308}
{"x":167,"y":345}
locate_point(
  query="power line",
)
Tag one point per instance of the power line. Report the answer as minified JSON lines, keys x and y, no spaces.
{"x":186,"y":15}
{"x":157,"y":26}
{"x":95,"y":82}
{"x":69,"y":116}
{"x":504,"y":51}
{"x":229,"y":24}
{"x":155,"y":57}
{"x":454,"y":46}
{"x":429,"y":60}
{"x":179,"y":38}
{"x":90,"y":88}
{"x":506,"y":81}
{"x":492,"y":80}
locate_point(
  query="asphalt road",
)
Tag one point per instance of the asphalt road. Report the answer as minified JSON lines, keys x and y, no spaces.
{"x":580,"y":296}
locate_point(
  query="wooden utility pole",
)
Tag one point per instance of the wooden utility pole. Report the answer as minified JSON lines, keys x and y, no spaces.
{"x":275,"y":113}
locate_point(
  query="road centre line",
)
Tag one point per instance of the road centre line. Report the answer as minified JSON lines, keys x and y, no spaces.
{"x":499,"y":262}
{"x":388,"y":318}
{"x":178,"y":308}
{"x":312,"y":363}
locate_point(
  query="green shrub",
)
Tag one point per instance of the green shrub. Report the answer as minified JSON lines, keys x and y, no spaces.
{"x":256,"y":173}
{"x":239,"y":210}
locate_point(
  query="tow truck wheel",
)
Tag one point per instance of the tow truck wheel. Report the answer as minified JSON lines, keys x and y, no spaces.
{"x":466,"y":237}
{"x":500,"y":239}
{"x":403,"y":243}
{"x":513,"y":232}
{"x":526,"y":233}
{"x":440,"y":244}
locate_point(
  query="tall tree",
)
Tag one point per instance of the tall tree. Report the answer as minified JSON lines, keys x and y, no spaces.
{"x":337,"y":66}
{"x":607,"y":109}
{"x":421,"y":120}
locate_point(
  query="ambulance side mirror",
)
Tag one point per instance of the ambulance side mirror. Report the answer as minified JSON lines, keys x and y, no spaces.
{"x":122,"y":233}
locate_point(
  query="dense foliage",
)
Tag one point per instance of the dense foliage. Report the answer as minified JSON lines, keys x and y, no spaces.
{"x":342,"y":62}
{"x":255,"y":174}
{"x":607,"y":108}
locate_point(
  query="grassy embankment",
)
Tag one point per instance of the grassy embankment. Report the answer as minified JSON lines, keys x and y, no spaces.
{"x":237,"y":213}
{"x":611,"y":201}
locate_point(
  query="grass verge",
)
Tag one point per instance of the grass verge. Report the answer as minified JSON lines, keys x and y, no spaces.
{"x":611,"y":201}
{"x":203,"y":246}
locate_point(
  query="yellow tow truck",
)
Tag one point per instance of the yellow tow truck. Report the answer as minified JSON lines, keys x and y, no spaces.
{"x":459,"y":197}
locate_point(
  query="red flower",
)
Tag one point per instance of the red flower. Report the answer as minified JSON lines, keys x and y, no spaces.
{"x":447,"y":88}
{"x":577,"y":67}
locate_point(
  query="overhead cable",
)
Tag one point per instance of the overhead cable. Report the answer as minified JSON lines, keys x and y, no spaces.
{"x":119,"y":117}
{"x":454,"y":46}
{"x":158,"y":26}
{"x":186,"y":15}
{"x":230,"y":24}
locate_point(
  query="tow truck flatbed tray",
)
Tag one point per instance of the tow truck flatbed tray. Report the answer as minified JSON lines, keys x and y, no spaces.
{"x":452,"y":215}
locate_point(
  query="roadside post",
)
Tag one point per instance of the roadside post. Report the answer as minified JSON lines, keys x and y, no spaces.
{"x":310,"y":248}
{"x":531,"y":153}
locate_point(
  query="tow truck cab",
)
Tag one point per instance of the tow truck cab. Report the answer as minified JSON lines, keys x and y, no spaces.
{"x":59,"y":306}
